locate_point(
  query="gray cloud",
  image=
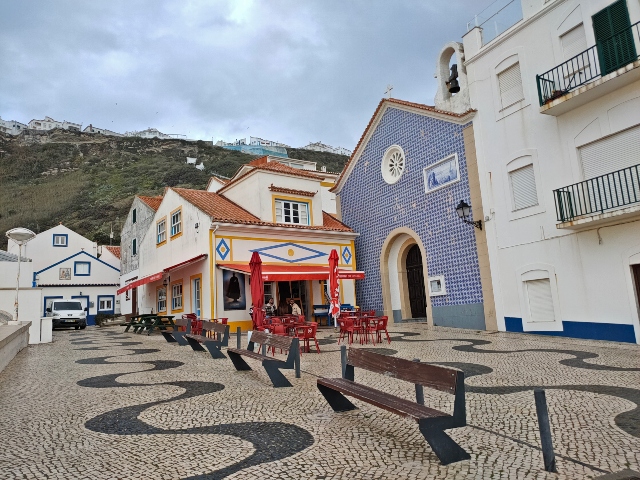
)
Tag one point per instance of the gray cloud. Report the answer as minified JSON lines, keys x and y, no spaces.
{"x":293,"y":71}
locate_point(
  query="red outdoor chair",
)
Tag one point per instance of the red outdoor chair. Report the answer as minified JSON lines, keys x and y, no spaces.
{"x":346,"y":328}
{"x":369,"y":327}
{"x":196,"y":325}
{"x":277,"y":329}
{"x":306,"y":334}
{"x":381,"y":326}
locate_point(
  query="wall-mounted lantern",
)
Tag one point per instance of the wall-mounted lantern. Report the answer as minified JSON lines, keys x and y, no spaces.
{"x":463,"y":210}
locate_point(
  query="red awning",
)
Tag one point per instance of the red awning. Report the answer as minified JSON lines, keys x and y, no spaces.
{"x":272,"y":273}
{"x":158,"y":276}
{"x":151,"y":278}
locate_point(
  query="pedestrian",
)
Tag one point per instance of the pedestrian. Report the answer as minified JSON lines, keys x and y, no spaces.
{"x":270,"y":308}
{"x":295,"y":308}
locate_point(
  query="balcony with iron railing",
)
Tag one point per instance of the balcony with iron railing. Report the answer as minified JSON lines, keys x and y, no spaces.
{"x":604,"y":199}
{"x":598,"y":70}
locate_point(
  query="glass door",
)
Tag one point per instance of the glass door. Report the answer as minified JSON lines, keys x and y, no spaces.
{"x":195,"y":289}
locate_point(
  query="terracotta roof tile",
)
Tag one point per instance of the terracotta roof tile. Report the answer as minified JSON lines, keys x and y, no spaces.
{"x":333,"y":223}
{"x":291,"y":191}
{"x":221,"y":209}
{"x":113,"y":249}
{"x":396,"y":101}
{"x":274,"y":166}
{"x":153,"y":202}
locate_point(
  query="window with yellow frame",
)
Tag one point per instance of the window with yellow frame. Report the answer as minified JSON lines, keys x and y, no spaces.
{"x":161,"y":299}
{"x":177,"y":301}
{"x":161,"y":231}
{"x":176,"y":223}
{"x":292,"y":212}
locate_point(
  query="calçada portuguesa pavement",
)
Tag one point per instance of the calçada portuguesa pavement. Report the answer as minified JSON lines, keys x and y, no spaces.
{"x":102,"y":404}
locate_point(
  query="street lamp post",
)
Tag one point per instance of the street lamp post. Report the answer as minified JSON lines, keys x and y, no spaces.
{"x":20,"y":236}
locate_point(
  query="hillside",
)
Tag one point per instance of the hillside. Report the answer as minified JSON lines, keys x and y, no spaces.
{"x":88,"y":181}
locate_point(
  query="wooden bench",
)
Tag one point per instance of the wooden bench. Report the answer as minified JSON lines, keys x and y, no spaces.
{"x":431,"y":422}
{"x":213,"y":344}
{"x":271,"y":365}
{"x":176,"y":335}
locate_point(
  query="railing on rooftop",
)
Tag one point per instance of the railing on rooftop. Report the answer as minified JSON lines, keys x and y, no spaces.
{"x":598,"y":195}
{"x":496,"y":18}
{"x":603,"y":58}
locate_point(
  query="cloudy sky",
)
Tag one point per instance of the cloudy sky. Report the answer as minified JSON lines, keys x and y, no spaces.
{"x":291,"y":71}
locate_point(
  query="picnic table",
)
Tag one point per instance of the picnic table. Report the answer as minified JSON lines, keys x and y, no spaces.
{"x":150,"y":322}
{"x":135,"y":321}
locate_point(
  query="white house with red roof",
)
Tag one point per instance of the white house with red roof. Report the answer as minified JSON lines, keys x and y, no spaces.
{"x":195,"y":256}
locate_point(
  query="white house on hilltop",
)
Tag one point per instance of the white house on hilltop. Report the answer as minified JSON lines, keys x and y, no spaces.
{"x":12,"y":127}
{"x":49,"y":124}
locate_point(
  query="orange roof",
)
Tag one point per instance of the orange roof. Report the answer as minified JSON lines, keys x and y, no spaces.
{"x":221,"y":209}
{"x":113,"y":249}
{"x":395,"y":101}
{"x":153,"y":202}
{"x":333,"y":223}
{"x":291,"y":191}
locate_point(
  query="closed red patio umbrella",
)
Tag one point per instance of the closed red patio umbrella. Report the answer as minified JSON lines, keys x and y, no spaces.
{"x":257,"y":290}
{"x":334,"y":288}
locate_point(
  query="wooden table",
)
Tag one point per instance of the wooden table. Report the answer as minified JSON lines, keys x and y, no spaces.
{"x":136,"y":321}
{"x":161,"y":322}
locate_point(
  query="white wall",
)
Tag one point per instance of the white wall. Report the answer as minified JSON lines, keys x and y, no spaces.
{"x":591,"y":267}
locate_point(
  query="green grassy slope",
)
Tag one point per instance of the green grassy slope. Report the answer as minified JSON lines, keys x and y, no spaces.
{"x":87,"y":182}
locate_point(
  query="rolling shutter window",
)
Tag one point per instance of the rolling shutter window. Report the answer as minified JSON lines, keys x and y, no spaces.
{"x":540,"y":300}
{"x":611,"y":154}
{"x":510,"y":82}
{"x":523,"y":187}
{"x":574,"y":42}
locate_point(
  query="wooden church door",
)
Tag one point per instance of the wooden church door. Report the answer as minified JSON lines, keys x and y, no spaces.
{"x":415,"y":280}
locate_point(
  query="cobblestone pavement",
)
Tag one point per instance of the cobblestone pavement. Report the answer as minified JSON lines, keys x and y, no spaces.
{"x":101,"y":404}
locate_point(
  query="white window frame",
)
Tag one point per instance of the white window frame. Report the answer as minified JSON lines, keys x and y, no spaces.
{"x":522,"y":159}
{"x":106,"y":307}
{"x":58,"y":236}
{"x":280,"y":208}
{"x":176,"y":227}
{"x":513,"y":56}
{"x":162,"y":233}
{"x":538,"y":271}
{"x":443,"y":289}
{"x":162,"y":300}
{"x":384,"y":167}
{"x":176,"y":298}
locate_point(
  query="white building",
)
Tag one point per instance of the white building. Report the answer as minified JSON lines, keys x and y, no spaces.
{"x":557,"y":133}
{"x":29,"y":296}
{"x":103,"y":131}
{"x":49,"y":124}
{"x":154,"y":133}
{"x":12,"y":127}
{"x":321,"y":147}
{"x":66,"y":265}
{"x":195,"y":256}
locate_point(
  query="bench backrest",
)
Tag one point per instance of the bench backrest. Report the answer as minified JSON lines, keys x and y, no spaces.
{"x":430,"y":376}
{"x":270,"y":340}
{"x":183,"y":322}
{"x":221,"y":331}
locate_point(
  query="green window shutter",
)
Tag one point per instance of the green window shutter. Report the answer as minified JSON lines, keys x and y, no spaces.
{"x":614,"y":38}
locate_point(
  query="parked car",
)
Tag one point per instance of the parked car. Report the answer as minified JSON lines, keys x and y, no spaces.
{"x":67,"y":313}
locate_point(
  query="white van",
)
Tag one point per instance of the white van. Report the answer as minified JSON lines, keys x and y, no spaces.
{"x":67,"y":312}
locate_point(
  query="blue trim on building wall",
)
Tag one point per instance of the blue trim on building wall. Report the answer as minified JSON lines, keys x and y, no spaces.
{"x":66,"y":239}
{"x":75,"y":269}
{"x":69,"y":258}
{"x":113,"y":304}
{"x":91,"y":319}
{"x":614,"y":332}
{"x":44,"y":310}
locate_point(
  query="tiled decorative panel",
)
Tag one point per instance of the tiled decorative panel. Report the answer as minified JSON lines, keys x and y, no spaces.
{"x":374,"y":208}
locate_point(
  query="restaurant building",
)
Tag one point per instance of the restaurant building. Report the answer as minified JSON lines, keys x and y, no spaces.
{"x":195,"y":256}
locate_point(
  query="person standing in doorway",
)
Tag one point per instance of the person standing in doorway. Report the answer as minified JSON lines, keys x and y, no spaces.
{"x":295,"y":308}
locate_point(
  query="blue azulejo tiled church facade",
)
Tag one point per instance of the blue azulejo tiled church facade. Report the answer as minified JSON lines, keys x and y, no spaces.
{"x":376,"y":209}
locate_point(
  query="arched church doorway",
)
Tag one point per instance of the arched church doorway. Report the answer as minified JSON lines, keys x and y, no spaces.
{"x":403,"y":270}
{"x":415,"y":282}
